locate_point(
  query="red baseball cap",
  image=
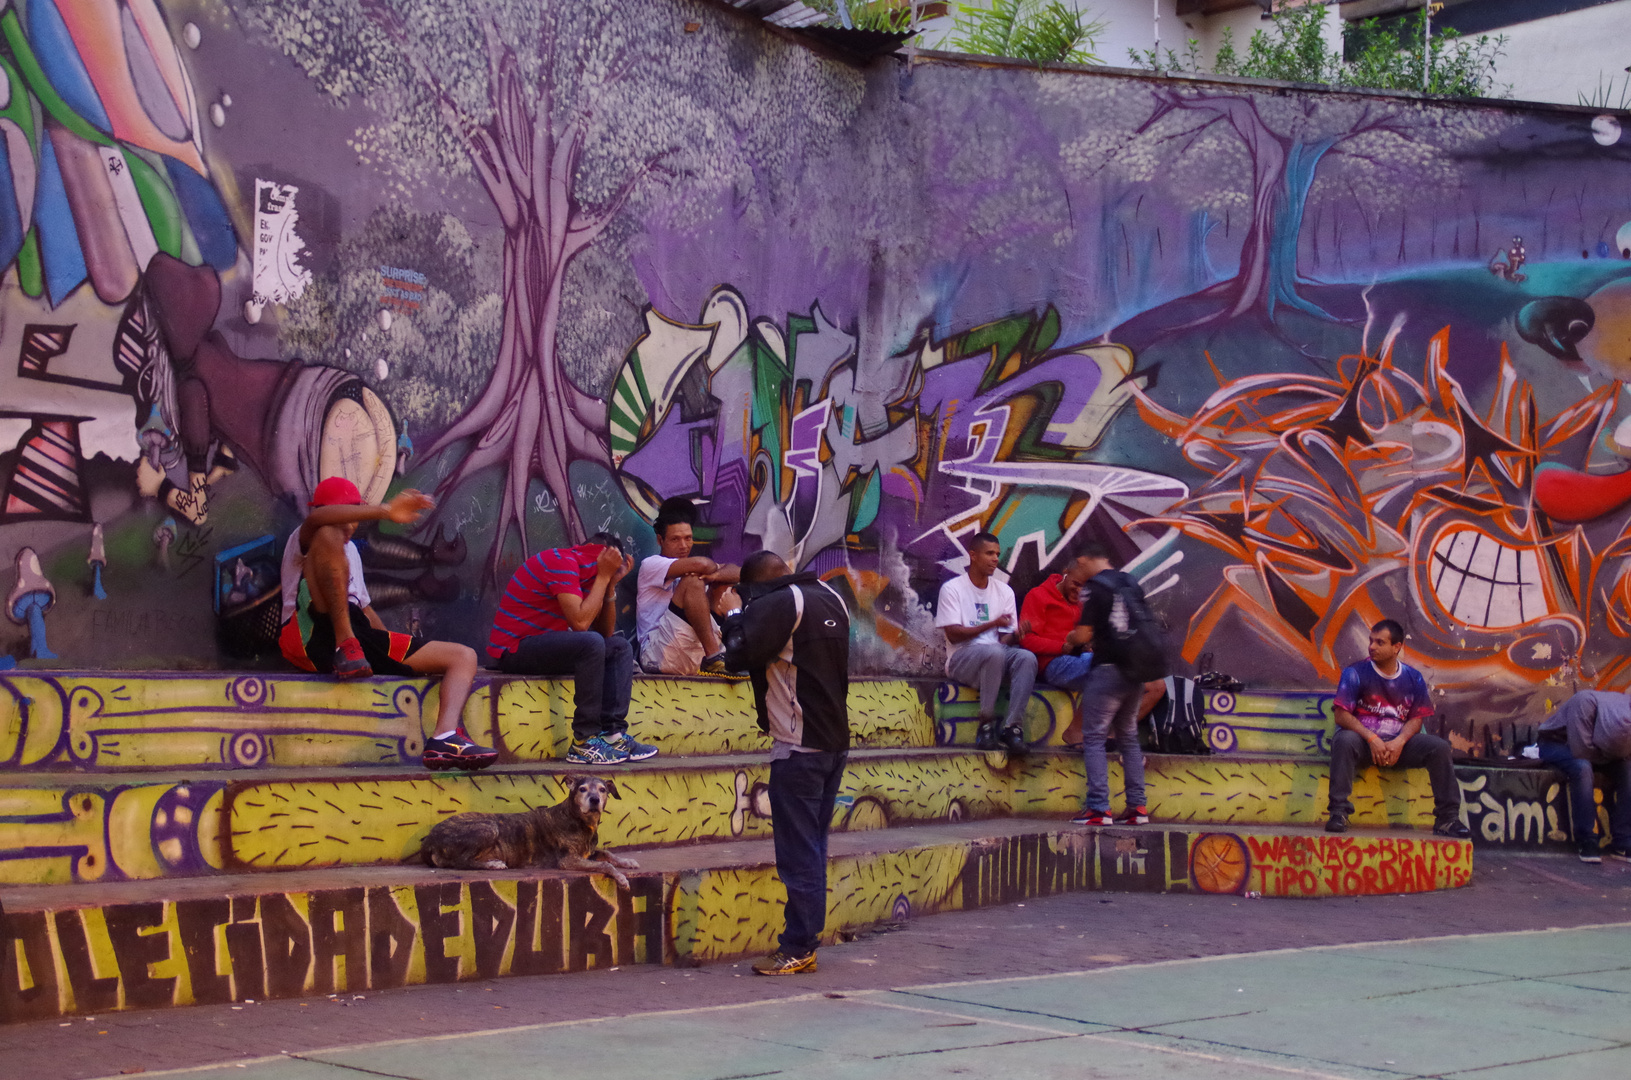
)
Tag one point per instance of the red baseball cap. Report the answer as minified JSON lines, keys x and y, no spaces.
{"x":336,"y":491}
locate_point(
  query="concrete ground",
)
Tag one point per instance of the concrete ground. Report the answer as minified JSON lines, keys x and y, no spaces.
{"x":1526,"y":973}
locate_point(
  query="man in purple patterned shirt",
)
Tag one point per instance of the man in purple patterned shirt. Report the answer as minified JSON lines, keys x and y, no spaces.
{"x":1380,"y":705}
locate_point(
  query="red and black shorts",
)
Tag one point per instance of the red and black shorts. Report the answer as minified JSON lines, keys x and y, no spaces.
{"x":307,"y":641}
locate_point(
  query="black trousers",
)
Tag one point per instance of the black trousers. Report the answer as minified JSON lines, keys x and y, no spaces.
{"x":803,"y":794}
{"x":1350,"y":753}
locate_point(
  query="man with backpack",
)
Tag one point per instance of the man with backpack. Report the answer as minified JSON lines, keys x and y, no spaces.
{"x":1127,"y":653}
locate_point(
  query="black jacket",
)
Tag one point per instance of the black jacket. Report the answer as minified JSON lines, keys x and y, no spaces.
{"x":793,"y":640}
{"x":1098,"y":598}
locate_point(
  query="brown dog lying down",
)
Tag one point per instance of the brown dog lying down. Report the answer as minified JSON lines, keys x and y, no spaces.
{"x":564,"y":836}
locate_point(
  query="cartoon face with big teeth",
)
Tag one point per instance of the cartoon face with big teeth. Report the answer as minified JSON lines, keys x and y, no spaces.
{"x":1346,"y":500}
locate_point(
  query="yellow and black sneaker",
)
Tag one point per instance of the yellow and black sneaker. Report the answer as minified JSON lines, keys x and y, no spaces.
{"x":782,"y":963}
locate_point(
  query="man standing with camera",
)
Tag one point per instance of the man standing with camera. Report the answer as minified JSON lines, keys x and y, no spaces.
{"x":792,"y":638}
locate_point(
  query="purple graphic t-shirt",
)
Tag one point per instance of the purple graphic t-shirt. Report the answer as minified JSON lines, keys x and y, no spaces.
{"x":1383,"y":705}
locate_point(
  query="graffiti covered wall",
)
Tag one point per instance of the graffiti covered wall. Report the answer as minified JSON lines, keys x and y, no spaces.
{"x":1302,"y":359}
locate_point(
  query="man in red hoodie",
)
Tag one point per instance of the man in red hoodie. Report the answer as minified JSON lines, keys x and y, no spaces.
{"x":1053,"y":609}
{"x":1064,"y":654}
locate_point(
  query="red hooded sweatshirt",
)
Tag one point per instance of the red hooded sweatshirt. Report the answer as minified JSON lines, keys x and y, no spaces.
{"x":1051,"y":617}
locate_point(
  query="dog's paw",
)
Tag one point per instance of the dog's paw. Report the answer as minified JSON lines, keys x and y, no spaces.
{"x":622,"y":880}
{"x":493,"y":864}
{"x":627,"y":864}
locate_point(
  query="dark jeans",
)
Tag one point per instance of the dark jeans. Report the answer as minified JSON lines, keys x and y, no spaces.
{"x":1350,"y":753}
{"x":803,"y":792}
{"x":602,"y":670}
{"x":1582,"y":799}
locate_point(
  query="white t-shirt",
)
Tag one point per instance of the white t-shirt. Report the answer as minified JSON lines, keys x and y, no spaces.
{"x":961,"y":604}
{"x":293,"y":561}
{"x":655,"y":593}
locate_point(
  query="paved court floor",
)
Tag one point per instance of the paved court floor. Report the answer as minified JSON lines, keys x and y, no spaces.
{"x":1515,"y":1006}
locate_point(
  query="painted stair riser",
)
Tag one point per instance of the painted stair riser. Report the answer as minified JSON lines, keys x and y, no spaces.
{"x":1246,"y":722}
{"x":102,"y":723}
{"x":347,"y":940}
{"x":142,"y":831}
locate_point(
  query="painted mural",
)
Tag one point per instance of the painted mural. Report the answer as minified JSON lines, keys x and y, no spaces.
{"x":275,"y":944}
{"x":1301,"y":359}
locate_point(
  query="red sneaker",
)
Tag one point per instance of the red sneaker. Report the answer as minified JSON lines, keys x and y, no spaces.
{"x":1093,"y":817}
{"x":349,"y":662}
{"x":1134,"y":815}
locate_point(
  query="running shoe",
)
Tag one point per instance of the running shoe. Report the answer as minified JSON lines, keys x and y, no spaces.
{"x":1591,"y":853}
{"x":1093,"y":817}
{"x":349,"y":662}
{"x":1452,"y":828}
{"x":596,"y":751}
{"x":783,"y":963}
{"x":1336,"y":823}
{"x":1134,"y":815}
{"x":457,"y":751}
{"x":634,"y":748}
{"x":1615,"y":851}
{"x":713,"y":665}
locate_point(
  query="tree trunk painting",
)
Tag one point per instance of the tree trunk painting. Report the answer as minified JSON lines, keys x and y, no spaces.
{"x":1283,"y":169}
{"x":531,"y":420}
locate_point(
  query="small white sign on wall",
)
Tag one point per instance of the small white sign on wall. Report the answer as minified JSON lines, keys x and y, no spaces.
{"x":279,"y":275}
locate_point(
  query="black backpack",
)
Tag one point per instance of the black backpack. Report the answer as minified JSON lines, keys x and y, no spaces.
{"x":1132,"y":635}
{"x":1177,"y":724}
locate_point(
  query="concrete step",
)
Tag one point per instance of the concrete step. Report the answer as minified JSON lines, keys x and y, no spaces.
{"x":131,"y":721}
{"x":98,"y":947}
{"x":64,"y":827}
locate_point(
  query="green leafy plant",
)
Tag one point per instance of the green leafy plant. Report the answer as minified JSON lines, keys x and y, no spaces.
{"x":1189,"y":62}
{"x":893,"y":16}
{"x":1405,"y":57}
{"x":1397,"y":56}
{"x":1041,"y":31}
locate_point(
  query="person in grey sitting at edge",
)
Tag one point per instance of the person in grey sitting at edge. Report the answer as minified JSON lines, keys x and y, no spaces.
{"x":1380,"y":705}
{"x":1593,"y":729}
{"x":974,"y":610}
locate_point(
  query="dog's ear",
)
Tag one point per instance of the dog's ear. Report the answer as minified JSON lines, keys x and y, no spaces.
{"x":611,"y":788}
{"x":569,"y":781}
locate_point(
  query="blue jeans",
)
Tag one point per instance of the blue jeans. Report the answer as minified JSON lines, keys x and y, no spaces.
{"x":803,"y":793}
{"x":1069,"y":672}
{"x":1108,"y":700}
{"x":602,"y":670}
{"x":1582,"y":803}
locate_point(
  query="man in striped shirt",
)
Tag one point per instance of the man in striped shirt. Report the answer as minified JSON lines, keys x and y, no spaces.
{"x":558,"y":617}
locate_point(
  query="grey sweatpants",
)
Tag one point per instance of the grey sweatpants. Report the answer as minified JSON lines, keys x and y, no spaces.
{"x":984,"y":667}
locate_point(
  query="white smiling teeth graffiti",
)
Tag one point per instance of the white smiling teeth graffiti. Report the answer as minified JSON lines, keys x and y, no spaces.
{"x":1483,"y":582}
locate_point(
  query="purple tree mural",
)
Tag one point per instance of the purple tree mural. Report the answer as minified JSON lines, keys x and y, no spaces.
{"x":1257,"y":156}
{"x":567,"y":115}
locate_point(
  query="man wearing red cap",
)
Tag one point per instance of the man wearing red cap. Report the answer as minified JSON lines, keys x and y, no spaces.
{"x":329,"y":624}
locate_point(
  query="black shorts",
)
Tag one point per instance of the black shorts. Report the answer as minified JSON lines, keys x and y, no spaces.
{"x":308,"y":642}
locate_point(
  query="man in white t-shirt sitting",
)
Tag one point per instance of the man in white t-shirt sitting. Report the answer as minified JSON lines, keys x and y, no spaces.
{"x":975,"y":610}
{"x":679,"y":595}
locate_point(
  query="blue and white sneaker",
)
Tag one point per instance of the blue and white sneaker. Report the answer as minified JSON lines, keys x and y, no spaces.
{"x":632,"y":747}
{"x":596,"y":751}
